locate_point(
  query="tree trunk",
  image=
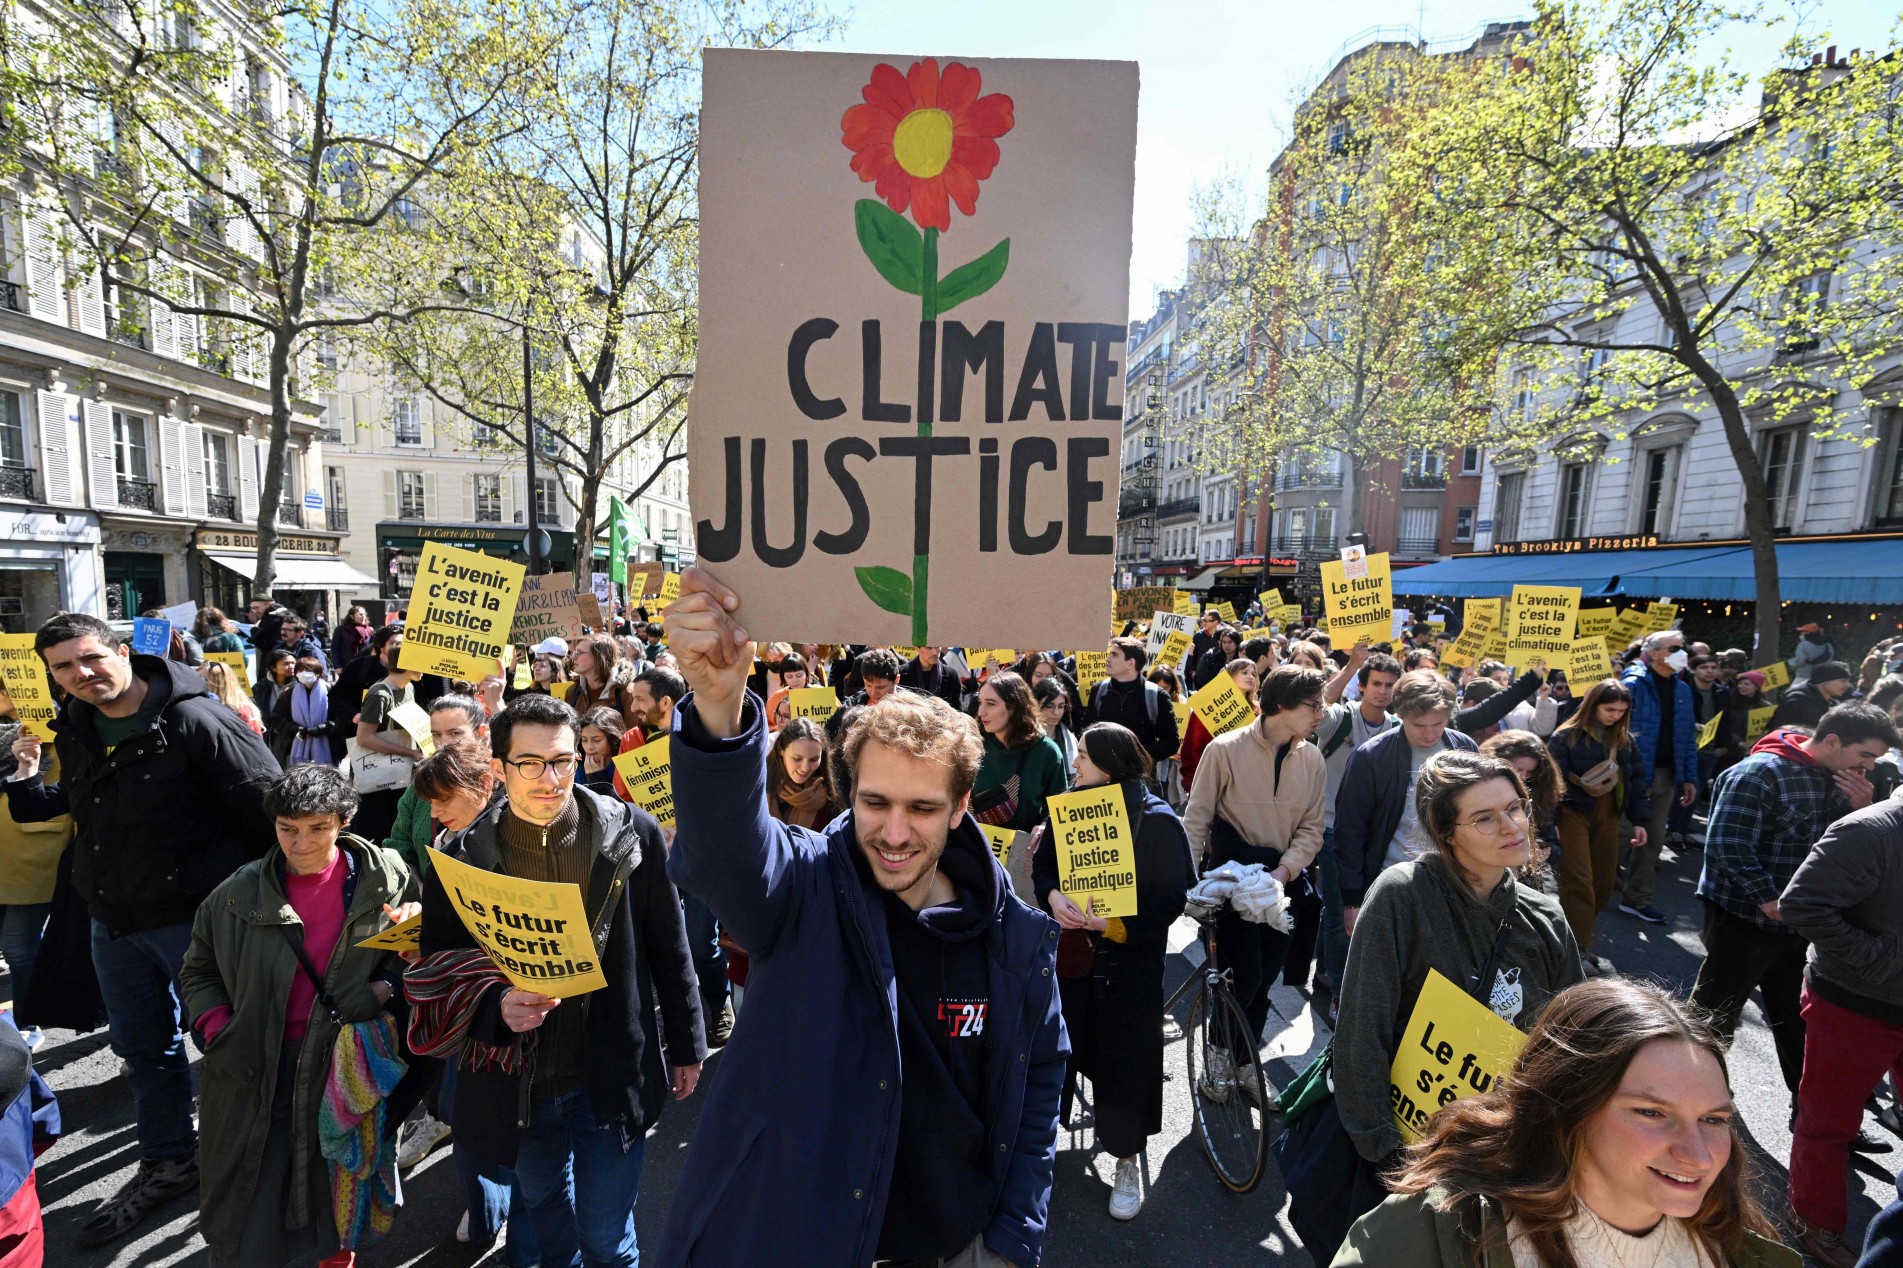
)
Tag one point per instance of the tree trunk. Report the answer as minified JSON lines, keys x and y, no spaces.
{"x":1758,"y":526}
{"x":271,"y":493}
{"x":1351,"y":490}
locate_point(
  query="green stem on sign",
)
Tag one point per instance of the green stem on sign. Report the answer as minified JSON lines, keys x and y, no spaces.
{"x":928,"y":311}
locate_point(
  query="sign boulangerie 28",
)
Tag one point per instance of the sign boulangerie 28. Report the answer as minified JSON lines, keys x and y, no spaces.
{"x":1096,"y":855}
{"x":536,"y":932}
{"x":460,"y":612}
{"x":1358,"y":607}
{"x":24,"y":674}
{"x":912,"y":346}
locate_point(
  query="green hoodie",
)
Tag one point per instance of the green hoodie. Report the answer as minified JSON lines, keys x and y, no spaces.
{"x":1419,"y":917}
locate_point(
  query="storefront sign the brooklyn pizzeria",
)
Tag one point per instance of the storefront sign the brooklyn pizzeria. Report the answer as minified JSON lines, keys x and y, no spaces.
{"x":1573,"y":545}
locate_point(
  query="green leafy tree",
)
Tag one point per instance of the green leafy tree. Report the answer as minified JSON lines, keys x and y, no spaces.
{"x":215,"y":169}
{"x":1624,"y":225}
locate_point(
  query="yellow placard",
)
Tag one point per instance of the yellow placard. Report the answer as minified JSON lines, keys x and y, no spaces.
{"x":524,"y":674}
{"x":1660,"y":617}
{"x":1540,"y":623}
{"x":1260,"y":631}
{"x":1096,"y":857}
{"x":978,"y":658}
{"x":1182,"y":716}
{"x":1588,"y":663}
{"x":404,"y":936}
{"x":460,"y":612}
{"x":25,"y":677}
{"x":236,"y":661}
{"x":817,"y":703}
{"x":1272,"y":602}
{"x":1184,"y":603}
{"x":1174,"y":649}
{"x":1092,"y":668}
{"x":1227,"y":610}
{"x":1708,"y":732}
{"x":1358,"y":607}
{"x":1221,"y":705}
{"x":536,"y":932}
{"x":1596,"y":622}
{"x":412,"y":717}
{"x":1482,"y":619}
{"x":1001,"y":840}
{"x":648,"y":772}
{"x":1776,"y":674}
{"x":1454,"y":1047}
{"x":670,"y":588}
{"x":1757,"y":722}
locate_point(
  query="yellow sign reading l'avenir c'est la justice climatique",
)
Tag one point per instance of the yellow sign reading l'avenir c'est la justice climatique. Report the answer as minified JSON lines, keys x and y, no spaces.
{"x":1096,"y":854}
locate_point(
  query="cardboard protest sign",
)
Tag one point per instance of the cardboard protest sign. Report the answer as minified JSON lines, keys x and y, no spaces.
{"x":1776,"y":674}
{"x":546,"y":609}
{"x":24,"y":674}
{"x":1221,"y":705}
{"x":151,"y":635}
{"x":1175,"y":650}
{"x":1757,"y":722}
{"x":460,"y":612}
{"x":589,"y":608}
{"x":1482,"y":619}
{"x":237,"y":662}
{"x":1096,"y":855}
{"x":1540,"y":623}
{"x":1596,"y":622}
{"x":1588,"y":662}
{"x":1002,"y":842}
{"x":1164,"y":624}
{"x":817,"y":703}
{"x":1708,"y":730}
{"x":1136,"y":603}
{"x":648,"y":772}
{"x":536,"y":932}
{"x":406,"y":935}
{"x":644,"y":581}
{"x":413,"y":718}
{"x":910,"y":368}
{"x":1453,"y":1047}
{"x":1660,"y":617}
{"x":1358,"y":607}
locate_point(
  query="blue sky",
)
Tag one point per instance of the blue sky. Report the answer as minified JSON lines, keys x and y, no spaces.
{"x":1220,"y":77}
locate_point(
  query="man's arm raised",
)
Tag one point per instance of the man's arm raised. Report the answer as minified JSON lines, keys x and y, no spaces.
{"x":714,"y":652}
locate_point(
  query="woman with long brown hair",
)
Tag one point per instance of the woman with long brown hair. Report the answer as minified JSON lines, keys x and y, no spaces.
{"x":798,"y":788}
{"x":1610,"y":1142}
{"x":1021,"y":766}
{"x":601,"y":677}
{"x":1596,"y":755}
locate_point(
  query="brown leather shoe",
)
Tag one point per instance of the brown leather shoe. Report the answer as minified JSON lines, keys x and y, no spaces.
{"x":1822,"y":1245}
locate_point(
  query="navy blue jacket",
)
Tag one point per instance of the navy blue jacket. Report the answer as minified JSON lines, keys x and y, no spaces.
{"x":792,"y":1159}
{"x":1647,"y":719}
{"x":1369,"y":804}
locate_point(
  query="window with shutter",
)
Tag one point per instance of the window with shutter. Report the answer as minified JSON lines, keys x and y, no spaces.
{"x":197,"y":501}
{"x":43,"y":267}
{"x":56,"y":464}
{"x":102,"y":470}
{"x":89,"y":296}
{"x":171,"y":465}
{"x":248,"y":478}
{"x":159,"y":321}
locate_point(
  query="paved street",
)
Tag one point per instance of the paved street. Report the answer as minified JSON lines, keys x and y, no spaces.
{"x":1189,"y":1218}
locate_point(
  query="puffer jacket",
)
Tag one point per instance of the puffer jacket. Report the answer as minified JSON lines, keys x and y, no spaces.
{"x":240,"y":959}
{"x":169,"y":813}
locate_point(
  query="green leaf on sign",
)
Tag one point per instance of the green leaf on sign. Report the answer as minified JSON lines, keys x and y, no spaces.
{"x":891,"y":242}
{"x":968,"y":281}
{"x":887,"y":587}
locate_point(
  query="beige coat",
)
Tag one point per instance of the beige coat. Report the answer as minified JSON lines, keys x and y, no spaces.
{"x":1236,"y":780}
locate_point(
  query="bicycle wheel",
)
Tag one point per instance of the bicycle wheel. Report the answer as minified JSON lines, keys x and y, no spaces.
{"x":1229,"y":1120}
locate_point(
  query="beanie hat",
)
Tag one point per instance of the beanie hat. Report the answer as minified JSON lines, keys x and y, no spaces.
{"x":1753,"y":677}
{"x":1829,"y":671}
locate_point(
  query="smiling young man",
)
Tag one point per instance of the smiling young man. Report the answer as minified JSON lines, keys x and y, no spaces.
{"x":166,"y":788}
{"x":893,"y":1093}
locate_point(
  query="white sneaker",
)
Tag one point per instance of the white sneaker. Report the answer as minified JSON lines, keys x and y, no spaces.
{"x":1126,"y":1198}
{"x":1250,"y":1081}
{"x":419,"y":1137}
{"x":462,"y":1229}
{"x":34,"y":1037}
{"x":1219,"y":1078}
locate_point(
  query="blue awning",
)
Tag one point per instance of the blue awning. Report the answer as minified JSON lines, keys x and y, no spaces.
{"x":1852,"y":570}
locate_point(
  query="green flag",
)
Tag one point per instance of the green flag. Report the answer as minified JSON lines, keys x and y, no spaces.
{"x":620,"y":539}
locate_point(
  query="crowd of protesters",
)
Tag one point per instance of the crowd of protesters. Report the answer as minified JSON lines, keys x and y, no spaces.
{"x":905,"y":1018}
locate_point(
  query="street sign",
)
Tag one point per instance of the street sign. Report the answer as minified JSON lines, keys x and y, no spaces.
{"x":313,"y":500}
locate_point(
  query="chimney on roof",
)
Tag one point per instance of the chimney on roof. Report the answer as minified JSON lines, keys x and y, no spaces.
{"x":1830,"y":55}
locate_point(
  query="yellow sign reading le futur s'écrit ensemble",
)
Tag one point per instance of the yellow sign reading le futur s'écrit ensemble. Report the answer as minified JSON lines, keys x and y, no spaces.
{"x":536,"y":932}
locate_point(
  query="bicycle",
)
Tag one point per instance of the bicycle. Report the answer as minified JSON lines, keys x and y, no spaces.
{"x":1232,"y":1097}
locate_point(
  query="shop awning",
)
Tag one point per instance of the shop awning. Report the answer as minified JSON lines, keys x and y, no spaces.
{"x":300,"y":572}
{"x":1205,"y":579}
{"x":1849,"y":570}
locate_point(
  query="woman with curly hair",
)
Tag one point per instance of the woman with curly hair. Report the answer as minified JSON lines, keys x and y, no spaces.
{"x":1610,"y":1142}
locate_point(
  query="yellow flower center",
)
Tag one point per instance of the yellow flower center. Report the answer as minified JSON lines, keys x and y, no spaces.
{"x":923,"y":142}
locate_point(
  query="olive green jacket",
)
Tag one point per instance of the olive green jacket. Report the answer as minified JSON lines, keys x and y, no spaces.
{"x":240,"y":958}
{"x":1411,"y":1229}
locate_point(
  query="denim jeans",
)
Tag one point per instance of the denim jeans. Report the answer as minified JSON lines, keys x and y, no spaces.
{"x":579,"y":1185}
{"x":710,"y":959}
{"x":138,"y":979}
{"x":21,"y":925}
{"x":489,"y":1191}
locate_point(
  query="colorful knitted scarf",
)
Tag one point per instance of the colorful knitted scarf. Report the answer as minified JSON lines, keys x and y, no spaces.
{"x":444,"y":991}
{"x":366,"y":1065}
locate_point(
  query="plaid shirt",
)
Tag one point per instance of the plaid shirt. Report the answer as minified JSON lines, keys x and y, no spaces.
{"x":1766,"y":813}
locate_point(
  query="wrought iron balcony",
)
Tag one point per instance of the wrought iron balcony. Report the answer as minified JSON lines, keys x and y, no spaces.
{"x":1306,"y":545}
{"x":10,"y":297}
{"x":139,"y":494}
{"x":1417,"y":546}
{"x":1285,"y":480}
{"x":290,"y":515}
{"x":1178,"y":508}
{"x":131,"y":338}
{"x":221,"y":506}
{"x":337,"y":519}
{"x":16,"y":481}
{"x":1424,"y":479}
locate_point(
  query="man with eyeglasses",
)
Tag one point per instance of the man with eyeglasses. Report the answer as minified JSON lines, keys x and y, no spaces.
{"x":1258,"y":798}
{"x":587,"y":1082}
